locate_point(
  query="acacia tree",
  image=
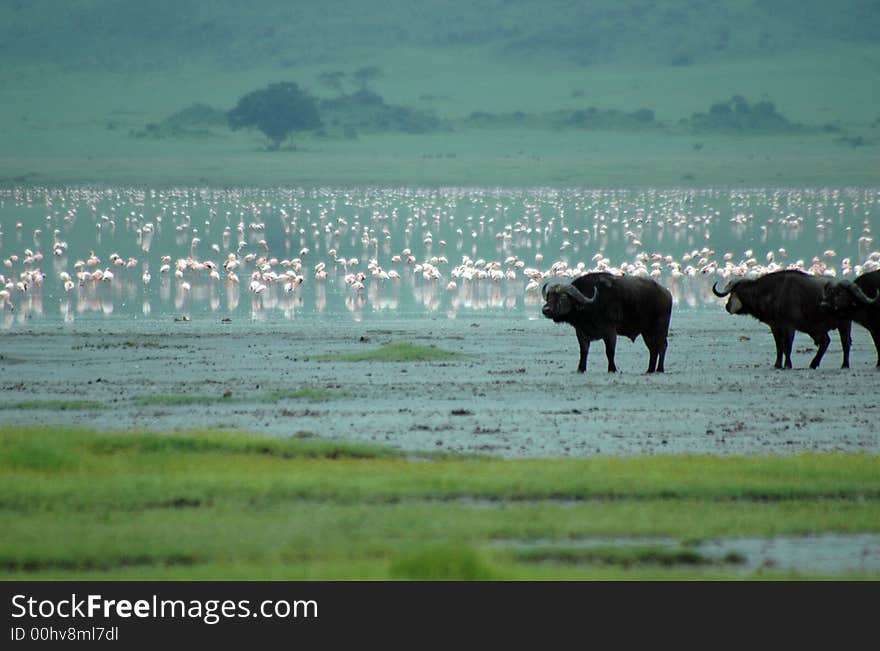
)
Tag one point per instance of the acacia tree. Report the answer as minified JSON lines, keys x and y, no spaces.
{"x":277,"y":110}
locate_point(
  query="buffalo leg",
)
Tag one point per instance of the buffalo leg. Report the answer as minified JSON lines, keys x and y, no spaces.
{"x":656,"y":349}
{"x":661,"y":352}
{"x":780,"y":346}
{"x":787,"y":344}
{"x":822,"y":340}
{"x":610,"y":345}
{"x":584,"y":344}
{"x":875,"y":335}
{"x":662,"y":341}
{"x":845,"y":332}
{"x":652,"y":352}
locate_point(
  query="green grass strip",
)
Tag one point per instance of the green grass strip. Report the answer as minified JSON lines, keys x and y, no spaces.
{"x":54,"y":405}
{"x":174,"y":400}
{"x":80,"y":503}
{"x":396,"y":352}
{"x":307,"y":394}
{"x":274,"y":468}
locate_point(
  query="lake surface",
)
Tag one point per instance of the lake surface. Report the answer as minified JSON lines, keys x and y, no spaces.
{"x":120,"y":253}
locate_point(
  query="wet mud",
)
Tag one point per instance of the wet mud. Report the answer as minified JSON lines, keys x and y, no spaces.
{"x":514,"y":392}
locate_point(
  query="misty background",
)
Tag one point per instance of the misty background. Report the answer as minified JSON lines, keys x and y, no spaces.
{"x":501,"y":92}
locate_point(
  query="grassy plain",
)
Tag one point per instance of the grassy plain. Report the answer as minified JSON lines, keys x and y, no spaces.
{"x":83,"y":504}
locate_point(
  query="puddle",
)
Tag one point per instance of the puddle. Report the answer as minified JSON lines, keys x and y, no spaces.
{"x":828,"y":554}
{"x":823,"y":554}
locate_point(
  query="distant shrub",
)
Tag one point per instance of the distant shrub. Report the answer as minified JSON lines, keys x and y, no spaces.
{"x":197,"y":115}
{"x":593,"y":118}
{"x":332,"y":79}
{"x":363,"y":99}
{"x":484,"y":119}
{"x":853,"y":141}
{"x":588,"y":118}
{"x":764,"y":108}
{"x":720,"y":111}
{"x":366,"y":74}
{"x":644,"y":115}
{"x":366,"y":110}
{"x":736,"y":114}
{"x":194,"y":121}
{"x":442,"y":562}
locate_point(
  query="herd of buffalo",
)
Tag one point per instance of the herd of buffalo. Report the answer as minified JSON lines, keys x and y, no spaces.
{"x":602,"y":306}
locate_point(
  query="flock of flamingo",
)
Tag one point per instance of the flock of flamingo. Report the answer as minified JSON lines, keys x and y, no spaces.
{"x":93,"y":250}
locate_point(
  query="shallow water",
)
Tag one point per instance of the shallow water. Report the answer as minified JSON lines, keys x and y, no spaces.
{"x":382,"y":253}
{"x":827,"y":554}
{"x":823,"y":554}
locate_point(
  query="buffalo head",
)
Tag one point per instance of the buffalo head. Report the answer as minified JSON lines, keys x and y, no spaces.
{"x":734,"y":304}
{"x":563,"y":299}
{"x":845,"y":295}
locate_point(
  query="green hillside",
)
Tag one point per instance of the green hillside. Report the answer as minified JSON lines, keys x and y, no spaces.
{"x":501,"y":92}
{"x":130,"y":36}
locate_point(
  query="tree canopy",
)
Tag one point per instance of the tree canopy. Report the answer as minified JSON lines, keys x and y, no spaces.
{"x":277,"y":110}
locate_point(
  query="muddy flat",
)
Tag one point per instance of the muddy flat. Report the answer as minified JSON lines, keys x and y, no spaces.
{"x":512,"y":392}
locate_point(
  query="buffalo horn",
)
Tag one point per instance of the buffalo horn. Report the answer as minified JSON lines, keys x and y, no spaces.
{"x":576,"y":294}
{"x":859,"y":294}
{"x":724,"y":292}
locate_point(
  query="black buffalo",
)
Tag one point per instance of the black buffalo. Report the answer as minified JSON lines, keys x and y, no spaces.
{"x":788,"y":301}
{"x":857,"y":300}
{"x":602,"y":306}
